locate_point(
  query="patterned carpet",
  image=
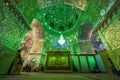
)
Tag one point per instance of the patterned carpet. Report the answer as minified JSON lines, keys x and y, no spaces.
{"x":60,"y":76}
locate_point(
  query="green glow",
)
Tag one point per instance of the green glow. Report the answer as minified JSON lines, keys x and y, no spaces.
{"x":12,"y":32}
{"x":52,"y":33}
{"x":57,"y":60}
{"x":57,"y":19}
{"x":75,"y":63}
{"x":92,"y":62}
{"x":92,"y":10}
{"x":29,"y":8}
{"x":62,"y":16}
{"x":61,"y":41}
{"x":84,"y":64}
{"x":33,"y":60}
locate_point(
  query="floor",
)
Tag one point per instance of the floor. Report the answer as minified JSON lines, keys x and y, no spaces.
{"x":60,"y":76}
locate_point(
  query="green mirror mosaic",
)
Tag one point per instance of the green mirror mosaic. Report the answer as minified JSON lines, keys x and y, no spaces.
{"x":60,"y":18}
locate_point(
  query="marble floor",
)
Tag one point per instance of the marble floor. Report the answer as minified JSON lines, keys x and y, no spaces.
{"x":60,"y":76}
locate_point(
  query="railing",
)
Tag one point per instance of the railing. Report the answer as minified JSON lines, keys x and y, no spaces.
{"x":88,"y":62}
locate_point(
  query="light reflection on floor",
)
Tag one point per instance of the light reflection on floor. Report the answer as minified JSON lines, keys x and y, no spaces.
{"x":60,"y":76}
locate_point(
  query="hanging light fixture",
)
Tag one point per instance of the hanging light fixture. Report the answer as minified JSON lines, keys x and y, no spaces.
{"x":61,"y":41}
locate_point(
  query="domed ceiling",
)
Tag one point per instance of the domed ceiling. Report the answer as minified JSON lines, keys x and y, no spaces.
{"x":58,"y":15}
{"x":61,"y":17}
{"x":93,"y":10}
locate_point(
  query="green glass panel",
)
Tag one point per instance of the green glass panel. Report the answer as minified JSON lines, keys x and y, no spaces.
{"x":100,"y":63}
{"x":75,"y":63}
{"x":92,"y":62}
{"x":42,"y":60}
{"x":84,"y":64}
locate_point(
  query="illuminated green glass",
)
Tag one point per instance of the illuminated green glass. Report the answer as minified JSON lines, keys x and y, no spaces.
{"x":100,"y":63}
{"x":29,"y":8}
{"x":12,"y":32}
{"x":92,"y":62}
{"x":33,"y":60}
{"x":84,"y":64}
{"x":60,"y":18}
{"x":75,"y":63}
{"x":42,"y":59}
